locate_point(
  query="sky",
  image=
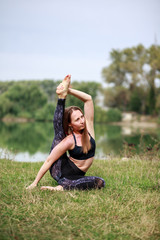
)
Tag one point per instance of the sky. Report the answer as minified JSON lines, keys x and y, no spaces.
{"x":48,"y":39}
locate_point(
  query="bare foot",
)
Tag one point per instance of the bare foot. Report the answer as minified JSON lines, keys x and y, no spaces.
{"x":58,"y":188}
{"x":62,"y":89}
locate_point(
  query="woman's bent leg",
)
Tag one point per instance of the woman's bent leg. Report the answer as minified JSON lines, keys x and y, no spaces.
{"x":74,"y":178}
{"x":59,"y":135}
{"x":82,"y":183}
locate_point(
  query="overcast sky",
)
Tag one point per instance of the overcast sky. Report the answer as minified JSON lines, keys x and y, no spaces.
{"x":51,"y":38}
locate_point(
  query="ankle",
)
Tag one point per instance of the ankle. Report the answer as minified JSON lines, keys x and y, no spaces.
{"x":62,"y":96}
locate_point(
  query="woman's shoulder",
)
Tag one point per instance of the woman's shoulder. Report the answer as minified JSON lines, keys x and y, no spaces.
{"x":70,"y":140}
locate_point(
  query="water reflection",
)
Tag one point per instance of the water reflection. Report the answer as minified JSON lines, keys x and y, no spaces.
{"x":108,"y":139}
{"x":23,"y":156}
{"x":32,"y":141}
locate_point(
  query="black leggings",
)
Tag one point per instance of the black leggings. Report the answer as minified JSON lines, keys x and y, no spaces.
{"x":64,"y":171}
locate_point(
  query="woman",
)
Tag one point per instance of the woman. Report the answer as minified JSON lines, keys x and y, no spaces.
{"x":74,"y":132}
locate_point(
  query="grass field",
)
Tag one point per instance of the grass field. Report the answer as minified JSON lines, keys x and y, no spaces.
{"x":127,"y":208}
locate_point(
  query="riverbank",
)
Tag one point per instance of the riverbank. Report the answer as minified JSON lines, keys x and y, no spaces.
{"x":17,"y":119}
{"x":136,"y":121}
{"x":127,"y":208}
{"x":136,"y":124}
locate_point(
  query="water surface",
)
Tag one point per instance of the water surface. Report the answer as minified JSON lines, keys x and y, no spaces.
{"x":32,"y":141}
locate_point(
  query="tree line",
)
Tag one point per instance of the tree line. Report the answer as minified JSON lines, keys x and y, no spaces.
{"x":133,"y":79}
{"x":37,"y":100}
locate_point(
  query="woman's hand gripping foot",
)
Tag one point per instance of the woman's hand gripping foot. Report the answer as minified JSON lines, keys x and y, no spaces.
{"x":62,"y":89}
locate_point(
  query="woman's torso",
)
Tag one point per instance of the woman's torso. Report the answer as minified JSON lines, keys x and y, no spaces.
{"x":82,"y":160}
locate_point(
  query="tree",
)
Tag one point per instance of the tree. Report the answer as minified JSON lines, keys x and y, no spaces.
{"x":115,"y":73}
{"x":117,"y":96}
{"x":133,"y":68}
{"x":20,"y":99}
{"x":88,"y":87}
{"x":135,"y":101}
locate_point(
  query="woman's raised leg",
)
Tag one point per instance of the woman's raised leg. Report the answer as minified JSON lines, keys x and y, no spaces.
{"x":59,"y":134}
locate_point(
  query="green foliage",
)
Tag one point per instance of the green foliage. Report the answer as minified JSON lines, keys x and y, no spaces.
{"x":117,"y":96}
{"x":111,"y":115}
{"x":6,"y":106}
{"x":158,"y":105}
{"x":37,"y":99}
{"x":89,"y":87}
{"x":133,"y":68}
{"x":114,"y":115}
{"x":24,"y":114}
{"x":49,"y":88}
{"x":100,"y":115}
{"x":72,"y":101}
{"x":135,"y":102}
{"x":4,"y":86}
{"x":45,"y":113}
{"x":152,"y":100}
{"x":31,"y":137}
{"x":21,"y":99}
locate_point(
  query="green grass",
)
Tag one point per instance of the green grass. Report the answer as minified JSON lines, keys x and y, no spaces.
{"x":127,"y":208}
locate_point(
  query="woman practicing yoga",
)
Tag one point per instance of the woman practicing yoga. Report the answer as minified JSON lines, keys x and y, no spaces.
{"x":74,"y":132}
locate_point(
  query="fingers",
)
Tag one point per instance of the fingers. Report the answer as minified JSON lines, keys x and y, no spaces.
{"x":60,"y":86}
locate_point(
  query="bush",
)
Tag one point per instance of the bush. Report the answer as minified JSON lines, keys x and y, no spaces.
{"x":103,"y":116}
{"x":45,"y":113}
{"x":5,"y":106}
{"x":24,"y":114}
{"x":114,"y":115}
{"x":100,"y":115}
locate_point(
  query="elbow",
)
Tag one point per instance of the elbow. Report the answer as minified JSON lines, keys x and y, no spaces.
{"x":48,"y":160}
{"x":89,"y":98}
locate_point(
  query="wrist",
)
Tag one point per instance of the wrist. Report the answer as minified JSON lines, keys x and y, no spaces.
{"x":35,"y":183}
{"x":69,"y":90}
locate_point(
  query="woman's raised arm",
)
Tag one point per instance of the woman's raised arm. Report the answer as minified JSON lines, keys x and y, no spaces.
{"x":88,"y":107}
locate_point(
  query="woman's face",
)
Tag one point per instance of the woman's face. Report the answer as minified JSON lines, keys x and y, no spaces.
{"x":77,"y":121}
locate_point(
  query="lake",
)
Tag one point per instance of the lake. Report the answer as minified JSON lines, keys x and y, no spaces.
{"x":31,"y":141}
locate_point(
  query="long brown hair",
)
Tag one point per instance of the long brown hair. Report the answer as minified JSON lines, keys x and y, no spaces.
{"x":86,"y":145}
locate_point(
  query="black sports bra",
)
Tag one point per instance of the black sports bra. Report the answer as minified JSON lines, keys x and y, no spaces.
{"x":77,"y":152}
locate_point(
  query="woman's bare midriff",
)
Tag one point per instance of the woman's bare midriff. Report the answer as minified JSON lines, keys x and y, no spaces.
{"x":82,"y":164}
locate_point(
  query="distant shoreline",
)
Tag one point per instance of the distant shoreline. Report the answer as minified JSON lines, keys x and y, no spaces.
{"x":133,"y":123}
{"x":16,"y":120}
{"x":136,"y":124}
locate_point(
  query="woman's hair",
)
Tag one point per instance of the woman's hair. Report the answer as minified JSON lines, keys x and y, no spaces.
{"x":86,"y":145}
